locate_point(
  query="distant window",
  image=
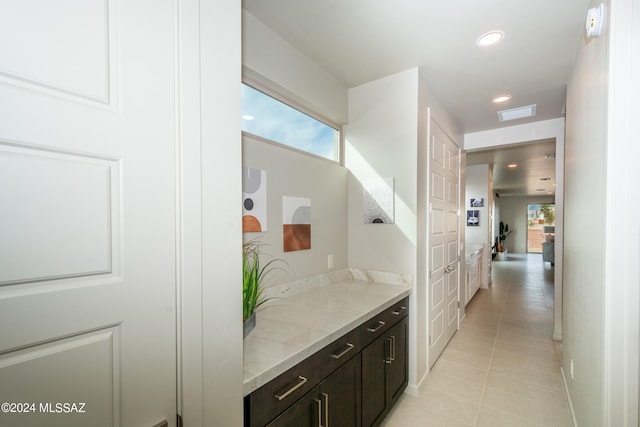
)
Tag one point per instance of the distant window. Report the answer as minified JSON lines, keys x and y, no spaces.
{"x":269,"y":118}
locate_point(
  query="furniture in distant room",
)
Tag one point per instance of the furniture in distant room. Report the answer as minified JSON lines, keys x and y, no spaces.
{"x":548,"y":246}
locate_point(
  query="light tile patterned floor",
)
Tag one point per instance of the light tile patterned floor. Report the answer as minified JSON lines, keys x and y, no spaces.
{"x":502,"y":367}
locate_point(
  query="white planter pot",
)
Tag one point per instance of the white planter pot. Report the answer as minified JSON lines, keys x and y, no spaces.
{"x":501,"y":256}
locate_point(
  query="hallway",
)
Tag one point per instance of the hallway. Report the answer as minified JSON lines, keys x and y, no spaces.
{"x":502,"y":367}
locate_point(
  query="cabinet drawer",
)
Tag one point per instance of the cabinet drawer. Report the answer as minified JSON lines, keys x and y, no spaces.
{"x":335,"y":402}
{"x":380,"y":323}
{"x":268,"y":401}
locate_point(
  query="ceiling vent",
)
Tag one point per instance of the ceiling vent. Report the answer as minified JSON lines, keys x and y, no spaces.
{"x":517,"y":113}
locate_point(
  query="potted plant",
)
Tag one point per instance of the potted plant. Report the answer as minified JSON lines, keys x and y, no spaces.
{"x":502,"y":236}
{"x":549,"y":213}
{"x":254,"y":275}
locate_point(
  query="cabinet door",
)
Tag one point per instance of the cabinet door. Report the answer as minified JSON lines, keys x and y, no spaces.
{"x":340,"y":396}
{"x":374,"y":380}
{"x":337,"y":399}
{"x":304,"y":413}
{"x":384,"y":373}
{"x":398,"y":368}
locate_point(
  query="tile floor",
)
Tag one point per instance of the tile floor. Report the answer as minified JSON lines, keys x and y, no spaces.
{"x":502,"y":367}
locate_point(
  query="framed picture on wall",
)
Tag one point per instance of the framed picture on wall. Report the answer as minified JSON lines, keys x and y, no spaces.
{"x":473,"y":218}
{"x":477,"y":203}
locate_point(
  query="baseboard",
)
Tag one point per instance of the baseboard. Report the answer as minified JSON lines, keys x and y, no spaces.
{"x":568,"y":398}
{"x":413,"y":389}
{"x":557,"y":336}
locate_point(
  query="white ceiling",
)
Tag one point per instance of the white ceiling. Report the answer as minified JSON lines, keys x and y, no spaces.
{"x":529,"y":178}
{"x":358,"y":41}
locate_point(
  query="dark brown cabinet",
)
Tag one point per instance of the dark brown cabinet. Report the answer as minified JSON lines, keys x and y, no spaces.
{"x":384,"y":373}
{"x":352,"y":382}
{"x":335,"y":402}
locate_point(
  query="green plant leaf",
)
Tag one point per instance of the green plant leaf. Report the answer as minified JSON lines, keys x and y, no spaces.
{"x":254,"y":277}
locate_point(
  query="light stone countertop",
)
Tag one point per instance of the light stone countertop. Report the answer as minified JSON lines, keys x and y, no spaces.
{"x":294,"y":327}
{"x":472,"y":248}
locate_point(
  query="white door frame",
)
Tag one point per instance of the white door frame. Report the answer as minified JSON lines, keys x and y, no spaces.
{"x":209,"y":210}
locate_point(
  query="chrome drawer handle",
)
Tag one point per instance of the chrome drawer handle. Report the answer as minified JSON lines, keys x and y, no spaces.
{"x":380,"y":325}
{"x":393,"y":348}
{"x":325,"y":397}
{"x":401,"y":310}
{"x":319,"y":416}
{"x":345,"y":351}
{"x":292,"y":389}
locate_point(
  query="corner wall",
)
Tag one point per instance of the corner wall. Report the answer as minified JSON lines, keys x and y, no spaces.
{"x":290,"y":173}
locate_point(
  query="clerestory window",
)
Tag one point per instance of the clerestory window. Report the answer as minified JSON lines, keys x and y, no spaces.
{"x":272,"y":119}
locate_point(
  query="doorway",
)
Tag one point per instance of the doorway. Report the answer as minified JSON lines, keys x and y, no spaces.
{"x":541,"y":221}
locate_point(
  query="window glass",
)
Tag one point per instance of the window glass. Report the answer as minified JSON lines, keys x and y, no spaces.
{"x":269,"y":118}
{"x":541,"y":220}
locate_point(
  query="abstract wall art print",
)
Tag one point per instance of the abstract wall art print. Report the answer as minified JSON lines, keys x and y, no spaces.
{"x":473,"y":218}
{"x":296,"y":223}
{"x":254,"y":200}
{"x":378,"y":201}
{"x":476,"y":203}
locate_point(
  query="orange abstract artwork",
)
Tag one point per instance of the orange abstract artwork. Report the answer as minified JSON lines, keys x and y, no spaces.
{"x":296,"y":228}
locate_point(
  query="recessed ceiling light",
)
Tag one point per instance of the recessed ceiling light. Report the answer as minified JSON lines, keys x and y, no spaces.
{"x":512,"y":165}
{"x":247,"y":117}
{"x":500,"y":99}
{"x":517,"y":113}
{"x":490,"y":38}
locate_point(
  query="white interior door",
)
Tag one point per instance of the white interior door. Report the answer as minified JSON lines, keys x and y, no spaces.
{"x":87,"y":213}
{"x":444,"y":277}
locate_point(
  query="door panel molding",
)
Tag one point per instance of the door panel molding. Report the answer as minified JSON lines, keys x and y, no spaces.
{"x":63,"y":368}
{"x":43,"y":218}
{"x":443,"y":242}
{"x":78,"y":48}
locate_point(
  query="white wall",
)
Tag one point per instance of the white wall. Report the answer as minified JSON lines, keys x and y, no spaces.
{"x":477,"y":186}
{"x":585,"y":150}
{"x":272,"y":61}
{"x":381,"y":141}
{"x":601,"y":267}
{"x":290,"y":173}
{"x":513,"y":211}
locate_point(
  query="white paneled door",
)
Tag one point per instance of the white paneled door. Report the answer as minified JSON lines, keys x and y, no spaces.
{"x":87,"y":213}
{"x":444,"y":277}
